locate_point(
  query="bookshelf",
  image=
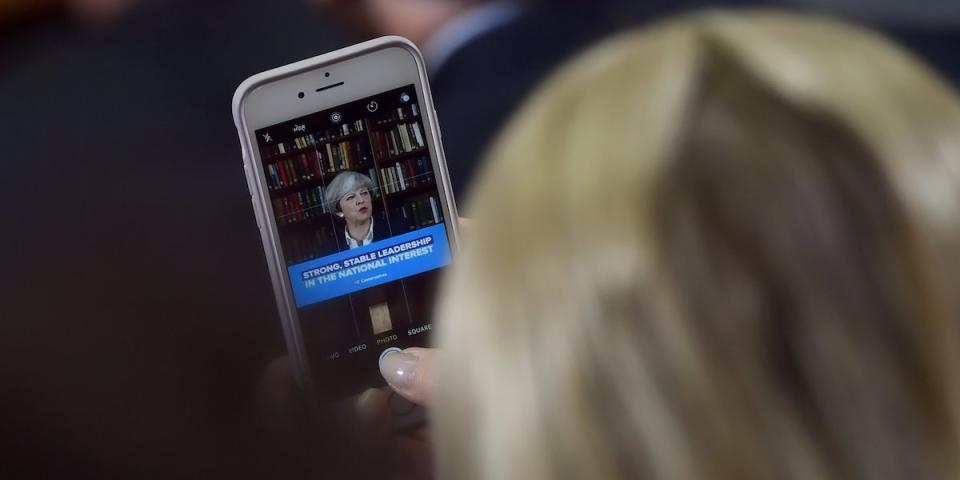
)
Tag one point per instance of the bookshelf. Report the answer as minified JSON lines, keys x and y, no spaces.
{"x":390,"y":147}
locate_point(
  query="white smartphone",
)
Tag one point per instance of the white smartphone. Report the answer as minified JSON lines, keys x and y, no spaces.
{"x":349,"y":186}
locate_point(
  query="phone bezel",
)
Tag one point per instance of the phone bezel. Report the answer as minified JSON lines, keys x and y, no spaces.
{"x":270,"y":97}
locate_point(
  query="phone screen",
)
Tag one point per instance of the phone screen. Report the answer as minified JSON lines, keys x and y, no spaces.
{"x":357,"y":207}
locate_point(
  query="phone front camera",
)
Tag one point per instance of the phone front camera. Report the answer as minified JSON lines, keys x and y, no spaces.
{"x":300,"y":95}
{"x":327,"y":74}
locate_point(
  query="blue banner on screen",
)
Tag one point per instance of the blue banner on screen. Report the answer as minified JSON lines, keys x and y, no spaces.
{"x":364,"y":267}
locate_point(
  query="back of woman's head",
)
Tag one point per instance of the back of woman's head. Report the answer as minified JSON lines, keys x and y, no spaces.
{"x":725,"y":247}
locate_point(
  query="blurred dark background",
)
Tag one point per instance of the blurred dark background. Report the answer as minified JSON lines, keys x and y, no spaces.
{"x":136,"y":314}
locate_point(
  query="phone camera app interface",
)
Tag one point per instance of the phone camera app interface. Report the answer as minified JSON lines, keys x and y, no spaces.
{"x":358,"y":211}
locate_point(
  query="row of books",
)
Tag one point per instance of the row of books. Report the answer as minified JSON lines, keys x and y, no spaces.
{"x":306,"y":245}
{"x":311,"y":165}
{"x":310,"y":139}
{"x":403,"y":112}
{"x":299,"y":206}
{"x":416,"y":213}
{"x":409,"y":173}
{"x":293,"y":171}
{"x":344,"y":155}
{"x":402,"y":138}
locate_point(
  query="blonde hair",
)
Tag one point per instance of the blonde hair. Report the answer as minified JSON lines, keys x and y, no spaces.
{"x":724,"y":247}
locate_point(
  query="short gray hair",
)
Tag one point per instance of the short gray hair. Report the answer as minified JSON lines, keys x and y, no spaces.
{"x":343,"y":184}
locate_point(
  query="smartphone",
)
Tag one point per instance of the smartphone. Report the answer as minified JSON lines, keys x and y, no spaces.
{"x":349,"y":185}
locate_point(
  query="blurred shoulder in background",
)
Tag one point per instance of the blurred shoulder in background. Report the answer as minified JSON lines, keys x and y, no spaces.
{"x":486,"y":56}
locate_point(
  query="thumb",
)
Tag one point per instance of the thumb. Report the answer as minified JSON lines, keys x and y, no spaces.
{"x":410,"y":373}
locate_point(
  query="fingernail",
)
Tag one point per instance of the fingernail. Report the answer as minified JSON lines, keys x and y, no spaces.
{"x":399,"y":369}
